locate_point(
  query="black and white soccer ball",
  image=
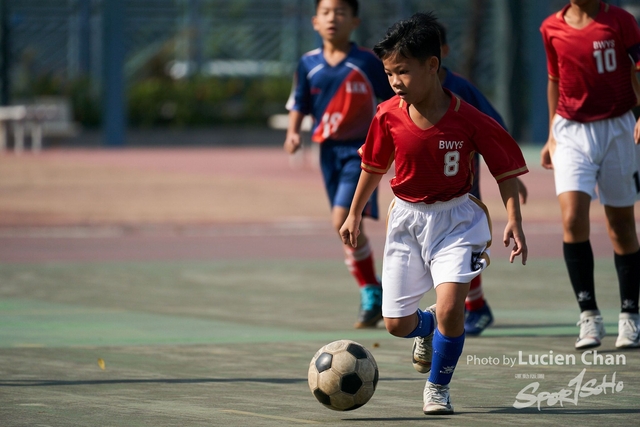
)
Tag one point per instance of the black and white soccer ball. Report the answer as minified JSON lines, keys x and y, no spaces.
{"x":343,"y":375}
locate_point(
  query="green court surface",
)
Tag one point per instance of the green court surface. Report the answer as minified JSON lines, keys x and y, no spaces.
{"x":228,"y":343}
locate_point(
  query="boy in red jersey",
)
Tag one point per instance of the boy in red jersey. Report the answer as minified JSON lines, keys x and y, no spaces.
{"x":340,"y":84}
{"x":590,"y":96}
{"x":437,"y":234}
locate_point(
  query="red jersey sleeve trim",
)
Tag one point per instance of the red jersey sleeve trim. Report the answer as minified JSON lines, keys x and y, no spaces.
{"x":457,"y":107}
{"x":512,"y":174}
{"x":371,"y":169}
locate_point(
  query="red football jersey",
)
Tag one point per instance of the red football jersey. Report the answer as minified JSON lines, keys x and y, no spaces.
{"x":592,"y":64}
{"x":436,"y":164}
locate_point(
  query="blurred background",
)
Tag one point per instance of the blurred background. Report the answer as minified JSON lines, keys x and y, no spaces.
{"x":131,"y":72}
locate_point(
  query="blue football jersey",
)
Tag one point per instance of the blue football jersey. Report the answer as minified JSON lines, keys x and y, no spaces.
{"x":343,"y":98}
{"x":469,"y":93}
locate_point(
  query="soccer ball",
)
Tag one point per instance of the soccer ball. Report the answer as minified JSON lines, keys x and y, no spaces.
{"x":343,"y":375}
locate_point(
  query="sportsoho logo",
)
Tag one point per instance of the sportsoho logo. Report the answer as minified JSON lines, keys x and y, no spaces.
{"x":577,"y":388}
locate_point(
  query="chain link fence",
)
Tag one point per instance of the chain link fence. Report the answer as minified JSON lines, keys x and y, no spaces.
{"x":223,"y":51}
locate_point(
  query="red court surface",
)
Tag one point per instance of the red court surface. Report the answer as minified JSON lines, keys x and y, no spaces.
{"x":210,"y":203}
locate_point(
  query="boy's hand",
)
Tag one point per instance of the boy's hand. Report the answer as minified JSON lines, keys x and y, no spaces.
{"x":545,"y":157}
{"x":350,"y":230}
{"x":547,"y":153}
{"x":292,"y":143}
{"x":513,"y":230}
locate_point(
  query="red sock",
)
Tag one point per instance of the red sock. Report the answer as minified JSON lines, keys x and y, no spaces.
{"x":361,"y":265}
{"x":475,"y":297}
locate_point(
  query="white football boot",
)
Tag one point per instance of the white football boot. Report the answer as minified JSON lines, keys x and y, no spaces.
{"x":422,"y":351}
{"x":436,"y":399}
{"x":591,"y":329}
{"x":628,"y":334}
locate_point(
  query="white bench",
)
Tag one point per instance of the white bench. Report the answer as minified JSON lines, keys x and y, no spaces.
{"x":9,"y":114}
{"x":281,"y":122}
{"x":46,"y":117}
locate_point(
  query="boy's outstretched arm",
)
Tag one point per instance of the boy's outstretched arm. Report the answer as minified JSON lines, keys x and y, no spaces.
{"x":351,"y":228}
{"x":553,"y":95}
{"x":524,"y":193}
{"x":292,"y":140}
{"x":513,"y":229}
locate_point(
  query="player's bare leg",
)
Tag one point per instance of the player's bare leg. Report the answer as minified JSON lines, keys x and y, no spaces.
{"x":361,"y":265}
{"x":402,"y":326}
{"x":450,"y":299}
{"x":622,"y":232}
{"x":621,"y":225}
{"x":575,"y":206}
{"x":578,"y":257}
{"x":447,"y":332}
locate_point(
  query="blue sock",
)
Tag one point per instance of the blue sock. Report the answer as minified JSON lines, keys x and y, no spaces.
{"x":446,"y":352}
{"x":425,"y":325}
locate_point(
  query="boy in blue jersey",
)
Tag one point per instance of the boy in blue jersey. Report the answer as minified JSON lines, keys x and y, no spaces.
{"x":340,"y":84}
{"x":478,"y":314}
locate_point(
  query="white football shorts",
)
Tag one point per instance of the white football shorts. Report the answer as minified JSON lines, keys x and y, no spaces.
{"x":427,"y":245}
{"x":600,"y":152}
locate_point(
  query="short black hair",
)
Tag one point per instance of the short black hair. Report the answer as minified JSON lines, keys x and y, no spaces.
{"x":417,"y":37}
{"x":353,"y":4}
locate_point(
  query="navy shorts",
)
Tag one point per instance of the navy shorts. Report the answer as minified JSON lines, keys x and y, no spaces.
{"x":340,"y":165}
